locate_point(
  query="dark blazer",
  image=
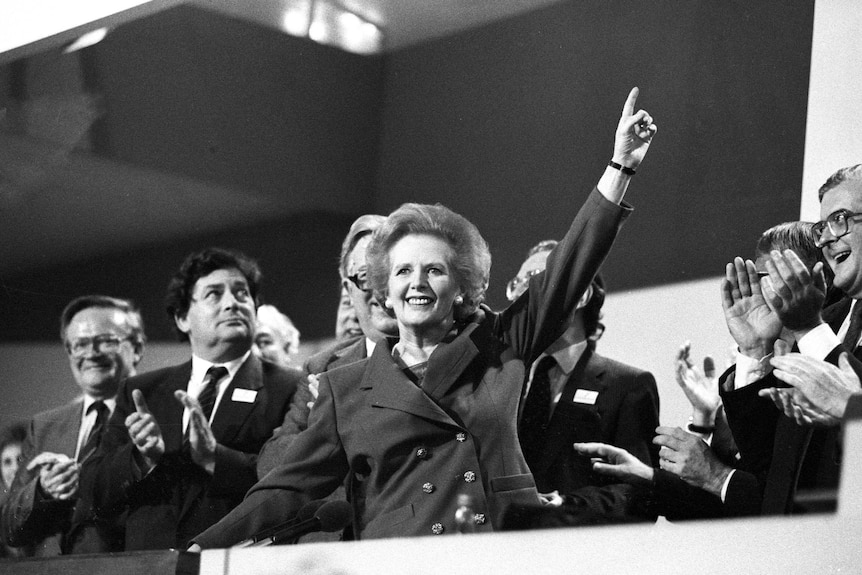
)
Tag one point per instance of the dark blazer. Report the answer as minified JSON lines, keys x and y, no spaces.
{"x":177,"y":498}
{"x":273,"y":451}
{"x":407,"y":452}
{"x":773,"y":450}
{"x":625,"y":414}
{"x":44,"y":526}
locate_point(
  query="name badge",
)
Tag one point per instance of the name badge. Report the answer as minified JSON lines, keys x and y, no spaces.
{"x":585,"y":396}
{"x":244,"y":395}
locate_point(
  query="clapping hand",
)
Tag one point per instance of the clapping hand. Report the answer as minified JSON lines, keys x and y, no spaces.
{"x":796,"y":294}
{"x":201,"y":439}
{"x":819,"y":391}
{"x":751,"y":322}
{"x":144,"y":431}
{"x":700,"y":389}
{"x":58,"y":475}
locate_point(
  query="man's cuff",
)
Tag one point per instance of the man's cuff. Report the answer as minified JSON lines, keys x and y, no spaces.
{"x":818,"y":342}
{"x":749,"y":370}
{"x":726,"y":483}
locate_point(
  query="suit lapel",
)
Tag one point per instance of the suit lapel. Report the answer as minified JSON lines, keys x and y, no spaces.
{"x":392,"y":389}
{"x":232,"y":413}
{"x":167,"y":408}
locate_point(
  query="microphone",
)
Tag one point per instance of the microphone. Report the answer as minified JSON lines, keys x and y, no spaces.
{"x":262,"y":538}
{"x":332,"y":516}
{"x":709,"y":367}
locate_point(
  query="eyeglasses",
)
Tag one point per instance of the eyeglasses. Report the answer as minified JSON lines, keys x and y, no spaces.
{"x":518,"y":285}
{"x":838,"y":224}
{"x":360,"y":280}
{"x":101,"y":343}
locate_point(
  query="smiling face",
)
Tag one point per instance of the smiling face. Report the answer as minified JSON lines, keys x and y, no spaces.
{"x":221,"y":316}
{"x":422,"y":286}
{"x":99,"y":367}
{"x":844,"y":254}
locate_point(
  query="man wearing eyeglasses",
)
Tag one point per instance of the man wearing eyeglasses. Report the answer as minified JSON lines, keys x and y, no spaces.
{"x":772,"y":442}
{"x":576,"y":395}
{"x":104,"y":340}
{"x":181,"y":447}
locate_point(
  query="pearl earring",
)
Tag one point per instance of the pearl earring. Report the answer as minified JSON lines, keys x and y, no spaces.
{"x":459,"y":300}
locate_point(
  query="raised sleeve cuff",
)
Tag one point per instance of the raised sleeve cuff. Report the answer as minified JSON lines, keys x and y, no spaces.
{"x":726,"y":483}
{"x":749,"y":370}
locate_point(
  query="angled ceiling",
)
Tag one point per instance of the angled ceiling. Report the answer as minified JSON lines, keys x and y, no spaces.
{"x":59,"y":200}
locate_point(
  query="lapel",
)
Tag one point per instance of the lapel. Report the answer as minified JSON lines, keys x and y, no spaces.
{"x":348,"y":354}
{"x":575,"y":422}
{"x":167,"y":408}
{"x":391,"y":389}
{"x":834,"y":314}
{"x":233,"y":414}
{"x":64,"y":436}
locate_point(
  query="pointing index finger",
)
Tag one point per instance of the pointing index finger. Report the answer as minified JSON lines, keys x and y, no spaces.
{"x":140,"y":402}
{"x":629,"y":106}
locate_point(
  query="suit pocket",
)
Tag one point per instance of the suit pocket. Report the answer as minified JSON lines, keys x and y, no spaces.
{"x":513,"y":482}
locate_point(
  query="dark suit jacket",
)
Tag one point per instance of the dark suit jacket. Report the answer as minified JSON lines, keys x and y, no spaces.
{"x":44,"y":526}
{"x":773,"y":450}
{"x":296,"y":420}
{"x":408,"y":452}
{"x":275,"y":449}
{"x":177,"y":498}
{"x":625,"y":414}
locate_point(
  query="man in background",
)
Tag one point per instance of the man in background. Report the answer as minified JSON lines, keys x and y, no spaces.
{"x":46,"y":512}
{"x":574,"y":395}
{"x":181,"y":448}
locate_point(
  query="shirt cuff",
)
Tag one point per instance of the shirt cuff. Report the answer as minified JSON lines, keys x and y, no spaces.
{"x":818,"y":342}
{"x":726,"y":483}
{"x":749,"y":370}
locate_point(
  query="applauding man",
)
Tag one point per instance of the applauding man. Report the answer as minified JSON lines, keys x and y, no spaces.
{"x":182,"y":444}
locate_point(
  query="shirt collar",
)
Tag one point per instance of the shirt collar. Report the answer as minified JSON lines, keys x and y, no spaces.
{"x":90,"y":400}
{"x":200,"y":366}
{"x":567,"y":358}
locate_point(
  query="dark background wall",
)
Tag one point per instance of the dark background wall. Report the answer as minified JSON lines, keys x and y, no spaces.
{"x":513,"y":123}
{"x":510,"y":124}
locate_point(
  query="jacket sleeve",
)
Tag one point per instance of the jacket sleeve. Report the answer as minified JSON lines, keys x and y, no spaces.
{"x":27,"y":515}
{"x":295,"y":421}
{"x":313,"y":466}
{"x":533,"y":321}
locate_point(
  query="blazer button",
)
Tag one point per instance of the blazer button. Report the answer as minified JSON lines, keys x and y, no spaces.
{"x":422,"y":453}
{"x":437,"y":529}
{"x":461,"y":437}
{"x":479,"y":518}
{"x":428,"y":487}
{"x":469,"y":477}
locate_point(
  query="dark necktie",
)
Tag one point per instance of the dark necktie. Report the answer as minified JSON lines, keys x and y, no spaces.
{"x":851,"y":340}
{"x":537,"y":411}
{"x":92,"y":443}
{"x":208,"y":394}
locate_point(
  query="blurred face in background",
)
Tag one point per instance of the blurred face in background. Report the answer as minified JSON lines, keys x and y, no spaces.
{"x":373,"y":320}
{"x":10,"y":459}
{"x":346,"y":323}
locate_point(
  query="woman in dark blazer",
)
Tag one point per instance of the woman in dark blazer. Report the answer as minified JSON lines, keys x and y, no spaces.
{"x":432,"y":414}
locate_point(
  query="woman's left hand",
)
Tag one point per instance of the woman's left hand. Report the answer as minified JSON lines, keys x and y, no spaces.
{"x":634,"y":133}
